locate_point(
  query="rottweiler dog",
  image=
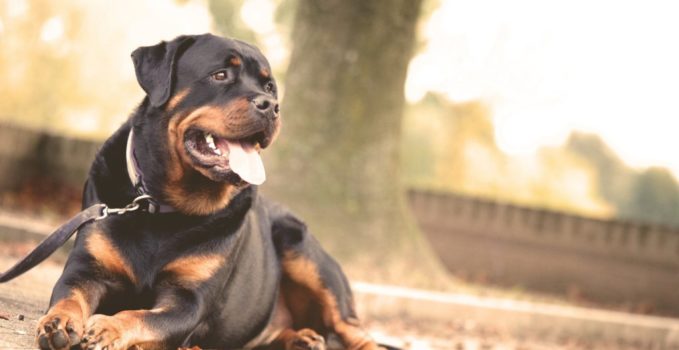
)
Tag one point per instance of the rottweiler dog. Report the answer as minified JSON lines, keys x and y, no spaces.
{"x":208,"y":262}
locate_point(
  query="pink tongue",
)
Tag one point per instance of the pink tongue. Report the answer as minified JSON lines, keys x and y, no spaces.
{"x":245,"y":161}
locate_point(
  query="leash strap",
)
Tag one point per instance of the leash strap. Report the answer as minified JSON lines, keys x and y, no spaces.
{"x":53,"y":242}
{"x":57,"y":238}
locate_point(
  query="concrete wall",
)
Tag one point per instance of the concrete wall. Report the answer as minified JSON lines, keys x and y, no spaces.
{"x":602,"y":260}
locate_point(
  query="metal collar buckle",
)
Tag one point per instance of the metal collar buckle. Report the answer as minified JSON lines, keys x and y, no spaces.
{"x":134,"y":206}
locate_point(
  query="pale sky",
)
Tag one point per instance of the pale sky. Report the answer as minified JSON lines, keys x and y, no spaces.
{"x":547,"y":68}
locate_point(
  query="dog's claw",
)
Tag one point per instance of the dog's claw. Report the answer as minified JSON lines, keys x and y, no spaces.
{"x":43,"y":343}
{"x":104,"y":333}
{"x":306,"y":339}
{"x":59,"y":340}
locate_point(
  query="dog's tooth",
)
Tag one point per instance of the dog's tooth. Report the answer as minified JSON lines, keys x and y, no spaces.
{"x":210,"y":141}
{"x":218,"y":151}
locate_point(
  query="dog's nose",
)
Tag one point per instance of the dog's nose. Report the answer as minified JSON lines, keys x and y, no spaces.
{"x":266,"y":105}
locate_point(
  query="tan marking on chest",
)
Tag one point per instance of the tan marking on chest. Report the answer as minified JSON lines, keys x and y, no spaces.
{"x":195,"y":269}
{"x":108,"y":255}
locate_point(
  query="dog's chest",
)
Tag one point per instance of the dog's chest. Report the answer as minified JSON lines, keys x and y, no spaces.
{"x":145,"y":252}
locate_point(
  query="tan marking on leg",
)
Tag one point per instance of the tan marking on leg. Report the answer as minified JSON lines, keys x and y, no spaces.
{"x":304,"y":272}
{"x":123,"y":330}
{"x":66,"y":317}
{"x":74,"y":307}
{"x":107,"y":255}
{"x":194,"y":270}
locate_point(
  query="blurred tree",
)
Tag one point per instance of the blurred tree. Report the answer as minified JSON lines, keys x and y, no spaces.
{"x":451,"y":146}
{"x":337,"y":160}
{"x":651,"y":195}
{"x":654,"y":198}
{"x":36,"y":89}
{"x":226,"y":15}
{"x":614,"y":178}
{"x":469,"y":138}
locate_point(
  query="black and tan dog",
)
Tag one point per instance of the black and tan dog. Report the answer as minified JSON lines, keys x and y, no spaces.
{"x":217,"y":266}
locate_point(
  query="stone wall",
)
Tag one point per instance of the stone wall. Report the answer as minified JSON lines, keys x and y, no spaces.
{"x":607,"y":261}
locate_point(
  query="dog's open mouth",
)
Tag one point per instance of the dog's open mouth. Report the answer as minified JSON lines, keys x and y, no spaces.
{"x":229,"y":160}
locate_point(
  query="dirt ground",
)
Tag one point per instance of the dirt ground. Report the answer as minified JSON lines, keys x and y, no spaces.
{"x":22,"y":302}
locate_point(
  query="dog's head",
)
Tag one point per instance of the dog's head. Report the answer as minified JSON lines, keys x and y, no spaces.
{"x":219,"y":107}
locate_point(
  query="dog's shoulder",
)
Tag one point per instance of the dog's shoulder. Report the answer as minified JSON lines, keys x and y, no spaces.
{"x":282,"y":219}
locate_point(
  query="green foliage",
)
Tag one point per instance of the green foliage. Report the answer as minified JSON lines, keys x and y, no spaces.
{"x":651,"y":195}
{"x":451,"y":146}
{"x":654,"y":197}
{"x":614,"y":178}
{"x":35,"y":77}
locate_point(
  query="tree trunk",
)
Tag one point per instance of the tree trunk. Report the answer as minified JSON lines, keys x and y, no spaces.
{"x":336,"y":163}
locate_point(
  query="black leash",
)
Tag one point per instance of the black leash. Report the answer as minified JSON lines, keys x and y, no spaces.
{"x":57,"y":238}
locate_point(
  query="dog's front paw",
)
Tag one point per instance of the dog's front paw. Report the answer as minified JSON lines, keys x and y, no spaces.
{"x":58,"y":331}
{"x":104,"y":333}
{"x":306,"y":339}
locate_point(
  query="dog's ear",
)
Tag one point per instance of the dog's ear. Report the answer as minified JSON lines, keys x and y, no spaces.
{"x":155,"y":67}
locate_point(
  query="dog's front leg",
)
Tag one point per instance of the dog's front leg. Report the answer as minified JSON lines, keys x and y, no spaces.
{"x":73,"y":301}
{"x":174,"y":316}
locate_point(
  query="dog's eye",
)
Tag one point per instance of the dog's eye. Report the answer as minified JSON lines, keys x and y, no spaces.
{"x":219,"y":76}
{"x":268,"y":87}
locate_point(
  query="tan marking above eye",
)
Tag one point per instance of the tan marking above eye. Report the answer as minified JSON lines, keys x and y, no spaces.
{"x":264,"y":73}
{"x":235,"y":61}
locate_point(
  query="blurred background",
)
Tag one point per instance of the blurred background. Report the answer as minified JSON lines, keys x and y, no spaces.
{"x":522,"y":150}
